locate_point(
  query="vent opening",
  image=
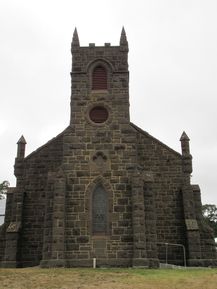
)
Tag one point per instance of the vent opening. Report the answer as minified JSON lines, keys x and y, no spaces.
{"x":99,"y":78}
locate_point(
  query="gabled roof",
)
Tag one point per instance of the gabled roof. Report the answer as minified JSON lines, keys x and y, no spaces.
{"x":46,"y":144}
{"x":154,"y":139}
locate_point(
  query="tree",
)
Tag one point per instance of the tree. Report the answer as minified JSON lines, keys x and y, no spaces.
{"x":3,"y":189}
{"x":210,"y":215}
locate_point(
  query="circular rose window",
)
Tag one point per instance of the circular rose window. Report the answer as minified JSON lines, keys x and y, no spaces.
{"x":98,"y":114}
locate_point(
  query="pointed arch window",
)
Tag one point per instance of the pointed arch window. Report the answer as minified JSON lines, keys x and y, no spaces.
{"x":99,"y":78}
{"x":99,"y":211}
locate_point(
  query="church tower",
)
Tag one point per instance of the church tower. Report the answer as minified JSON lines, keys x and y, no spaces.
{"x":99,"y":152}
{"x":100,"y":84}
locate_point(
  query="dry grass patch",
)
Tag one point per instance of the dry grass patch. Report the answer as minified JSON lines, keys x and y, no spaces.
{"x":35,"y":278}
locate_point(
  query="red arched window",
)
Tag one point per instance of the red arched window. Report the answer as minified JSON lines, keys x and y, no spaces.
{"x":99,"y":78}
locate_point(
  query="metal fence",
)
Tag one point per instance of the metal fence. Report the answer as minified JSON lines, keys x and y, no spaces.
{"x":167,"y":245}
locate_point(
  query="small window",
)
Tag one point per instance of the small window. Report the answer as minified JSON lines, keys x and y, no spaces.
{"x":99,"y":78}
{"x":99,"y":210}
{"x":98,"y":114}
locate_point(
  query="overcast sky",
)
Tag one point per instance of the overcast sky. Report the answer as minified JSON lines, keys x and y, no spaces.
{"x":172,"y":63}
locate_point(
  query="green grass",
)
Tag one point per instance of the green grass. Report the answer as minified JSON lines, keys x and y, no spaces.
{"x":32,"y":278}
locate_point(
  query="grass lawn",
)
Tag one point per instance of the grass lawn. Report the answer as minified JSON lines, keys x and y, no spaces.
{"x":32,"y":278}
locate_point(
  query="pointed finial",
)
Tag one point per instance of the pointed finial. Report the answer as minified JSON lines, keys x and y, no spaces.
{"x":123,"y":39}
{"x":21,"y":145}
{"x":186,"y":156}
{"x":185,"y":144}
{"x":184,"y":137}
{"x":75,"y":39}
{"x":21,"y":140}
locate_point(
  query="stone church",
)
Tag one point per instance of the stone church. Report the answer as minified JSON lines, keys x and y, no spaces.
{"x":103,"y":188}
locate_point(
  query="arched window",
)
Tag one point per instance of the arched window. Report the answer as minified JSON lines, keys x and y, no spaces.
{"x":99,"y":211}
{"x":99,"y":78}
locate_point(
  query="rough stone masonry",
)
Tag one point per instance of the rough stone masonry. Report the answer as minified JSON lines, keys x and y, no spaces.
{"x":104,"y":188}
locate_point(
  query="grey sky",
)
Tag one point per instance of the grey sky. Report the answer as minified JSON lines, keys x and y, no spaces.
{"x":172,"y":63}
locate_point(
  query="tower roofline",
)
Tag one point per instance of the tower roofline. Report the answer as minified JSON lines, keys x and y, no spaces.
{"x":76,"y":43}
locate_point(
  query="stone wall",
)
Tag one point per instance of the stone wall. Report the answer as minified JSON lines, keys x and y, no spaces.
{"x":85,"y":169}
{"x":162,"y":168}
{"x":32,"y":176}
